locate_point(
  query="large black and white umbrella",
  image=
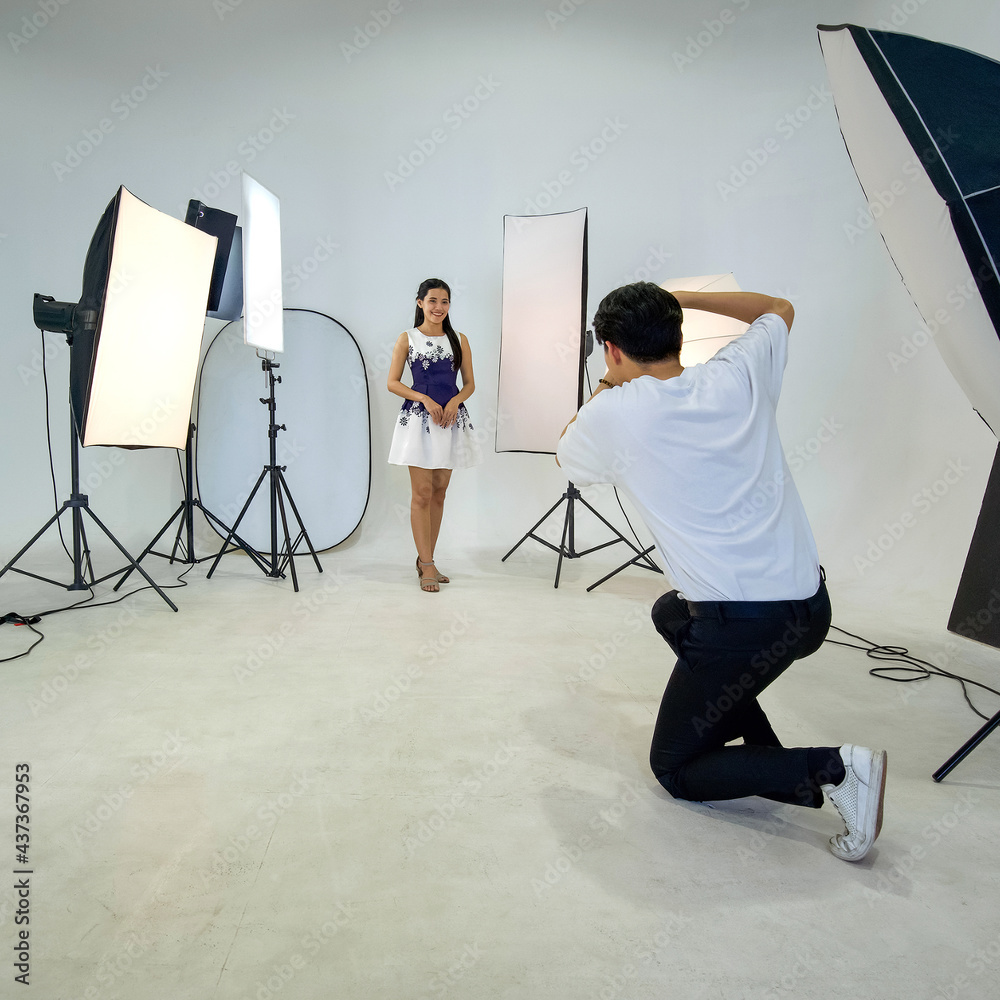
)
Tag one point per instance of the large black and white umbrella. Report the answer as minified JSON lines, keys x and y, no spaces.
{"x":921,"y":121}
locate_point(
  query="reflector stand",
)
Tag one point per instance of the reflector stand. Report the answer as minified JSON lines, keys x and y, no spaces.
{"x":279,"y":493}
{"x":567,"y":543}
{"x":184,"y":539}
{"x":78,"y":503}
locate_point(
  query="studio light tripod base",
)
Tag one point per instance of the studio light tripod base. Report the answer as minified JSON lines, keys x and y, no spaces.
{"x":183,"y":550}
{"x":283,"y":558}
{"x":83,"y":570}
{"x":567,"y":544}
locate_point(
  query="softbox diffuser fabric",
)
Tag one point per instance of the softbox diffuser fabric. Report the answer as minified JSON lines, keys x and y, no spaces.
{"x":323,"y":402}
{"x":262,"y":295}
{"x":705,"y":333}
{"x":148,"y":339}
{"x":920,"y":121}
{"x":541,"y":333}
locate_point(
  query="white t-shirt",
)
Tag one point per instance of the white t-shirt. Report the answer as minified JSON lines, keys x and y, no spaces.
{"x":700,"y":458}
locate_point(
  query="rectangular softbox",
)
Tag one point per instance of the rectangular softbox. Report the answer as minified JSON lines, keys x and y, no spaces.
{"x":151,"y":294}
{"x":542,"y":329}
{"x":262,"y":296}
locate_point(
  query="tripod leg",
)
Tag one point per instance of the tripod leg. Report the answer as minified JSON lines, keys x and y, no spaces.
{"x":283,"y":485}
{"x":121,"y":548}
{"x":149,"y":547}
{"x":290,"y":559}
{"x":184,"y":527}
{"x":232,"y":530}
{"x":634,"y":561}
{"x":609,"y":525}
{"x":245,"y":546}
{"x":34,"y":538}
{"x":528,"y":534}
{"x":956,"y":758}
{"x":84,"y":558}
{"x":567,"y":530}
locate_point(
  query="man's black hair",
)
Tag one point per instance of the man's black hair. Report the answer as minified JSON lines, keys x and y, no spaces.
{"x":642,"y":320}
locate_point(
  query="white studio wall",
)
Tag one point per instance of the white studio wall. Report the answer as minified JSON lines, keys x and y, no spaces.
{"x":701,"y":137}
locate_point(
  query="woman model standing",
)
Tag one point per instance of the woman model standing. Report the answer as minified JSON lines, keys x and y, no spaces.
{"x":433,"y":433}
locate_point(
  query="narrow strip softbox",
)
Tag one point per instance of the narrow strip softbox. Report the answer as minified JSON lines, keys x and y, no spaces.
{"x":262,"y":297}
{"x":542,"y":326}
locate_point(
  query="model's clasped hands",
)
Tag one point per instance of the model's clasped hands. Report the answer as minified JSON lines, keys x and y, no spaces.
{"x":443,"y":416}
{"x":449,"y":414}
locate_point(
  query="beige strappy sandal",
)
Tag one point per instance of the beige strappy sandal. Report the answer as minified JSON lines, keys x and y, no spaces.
{"x":429,"y":585}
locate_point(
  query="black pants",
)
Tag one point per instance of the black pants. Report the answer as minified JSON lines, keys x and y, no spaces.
{"x":728,"y":652}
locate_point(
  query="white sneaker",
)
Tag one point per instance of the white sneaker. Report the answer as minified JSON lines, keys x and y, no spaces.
{"x":858,"y":799}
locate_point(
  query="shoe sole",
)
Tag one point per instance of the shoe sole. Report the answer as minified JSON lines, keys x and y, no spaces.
{"x":883,"y":760}
{"x":879,"y":764}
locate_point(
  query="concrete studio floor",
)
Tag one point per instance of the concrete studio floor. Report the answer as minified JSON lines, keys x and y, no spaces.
{"x":361,"y":790}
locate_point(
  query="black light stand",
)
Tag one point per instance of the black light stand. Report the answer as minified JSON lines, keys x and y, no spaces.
{"x":959,"y":755}
{"x":567,"y":544}
{"x":184,"y":539}
{"x":642,"y":560}
{"x":279,"y":492}
{"x":79,"y":503}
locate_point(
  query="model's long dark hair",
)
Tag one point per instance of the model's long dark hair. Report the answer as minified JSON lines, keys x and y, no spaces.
{"x":418,"y":317}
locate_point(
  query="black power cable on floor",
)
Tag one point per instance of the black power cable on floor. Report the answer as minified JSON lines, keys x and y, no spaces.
{"x":916,"y":668}
{"x":906,"y":664}
{"x":29,"y":622}
{"x":13,"y":618}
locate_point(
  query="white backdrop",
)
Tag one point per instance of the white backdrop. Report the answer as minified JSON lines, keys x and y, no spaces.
{"x":701,"y":136}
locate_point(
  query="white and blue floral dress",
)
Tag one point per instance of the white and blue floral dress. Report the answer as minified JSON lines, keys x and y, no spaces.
{"x":417,"y":440}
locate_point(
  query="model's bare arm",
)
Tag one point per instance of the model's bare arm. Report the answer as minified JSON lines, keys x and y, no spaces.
{"x":468,"y":385}
{"x":468,"y":379}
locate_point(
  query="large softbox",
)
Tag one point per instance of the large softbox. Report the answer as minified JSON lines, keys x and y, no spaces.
{"x":541,"y":329}
{"x":146,"y":277}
